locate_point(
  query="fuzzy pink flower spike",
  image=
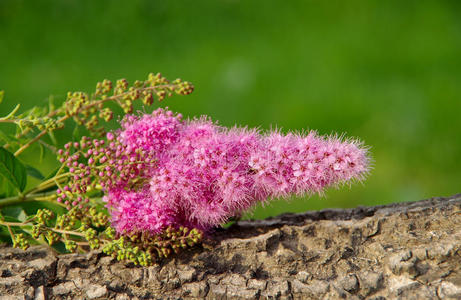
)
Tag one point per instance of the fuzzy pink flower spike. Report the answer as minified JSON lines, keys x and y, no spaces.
{"x":204,"y":174}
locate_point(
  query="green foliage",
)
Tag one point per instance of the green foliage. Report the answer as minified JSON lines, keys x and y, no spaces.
{"x":12,"y":170}
{"x":33,"y":172}
{"x":36,"y":215}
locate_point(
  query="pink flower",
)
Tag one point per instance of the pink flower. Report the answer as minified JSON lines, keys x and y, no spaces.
{"x":195,"y":173}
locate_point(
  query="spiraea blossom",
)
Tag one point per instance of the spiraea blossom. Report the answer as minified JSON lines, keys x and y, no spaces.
{"x":163,"y":171}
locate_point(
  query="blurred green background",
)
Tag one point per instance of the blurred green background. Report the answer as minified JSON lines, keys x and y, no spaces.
{"x":388,"y":72}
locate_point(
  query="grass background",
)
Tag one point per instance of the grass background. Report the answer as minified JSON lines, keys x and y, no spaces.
{"x":388,"y":72}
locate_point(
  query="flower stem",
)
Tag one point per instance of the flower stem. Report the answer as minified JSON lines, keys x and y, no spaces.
{"x":39,"y":136}
{"x":32,"y":197}
{"x":92,"y":104}
{"x":47,"y":183}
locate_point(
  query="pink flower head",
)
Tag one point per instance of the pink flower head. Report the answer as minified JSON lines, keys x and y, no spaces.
{"x":150,"y":132}
{"x":204,"y":174}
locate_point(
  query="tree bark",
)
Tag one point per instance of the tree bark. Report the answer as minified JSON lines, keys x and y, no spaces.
{"x":407,"y":250}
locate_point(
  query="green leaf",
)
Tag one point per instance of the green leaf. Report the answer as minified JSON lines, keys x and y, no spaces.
{"x":15,"y":212}
{"x":6,"y":189}
{"x":8,"y":138}
{"x":2,"y":94}
{"x":60,"y":247}
{"x":4,"y":137}
{"x":4,"y":235}
{"x":12,"y":170}
{"x":31,"y":171}
{"x":31,"y":207}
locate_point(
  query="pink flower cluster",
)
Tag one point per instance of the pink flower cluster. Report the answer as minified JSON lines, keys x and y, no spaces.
{"x":199,"y":174}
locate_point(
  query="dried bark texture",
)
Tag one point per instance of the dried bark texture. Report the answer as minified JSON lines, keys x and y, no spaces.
{"x":398,"y":251}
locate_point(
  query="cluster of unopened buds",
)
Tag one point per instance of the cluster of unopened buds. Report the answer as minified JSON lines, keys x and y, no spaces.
{"x":142,"y":248}
{"x":20,"y":241}
{"x":96,"y":163}
{"x":74,"y":224}
{"x":85,"y":109}
{"x":42,"y":123}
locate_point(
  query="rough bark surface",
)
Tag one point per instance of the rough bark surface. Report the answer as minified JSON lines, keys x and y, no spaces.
{"x":398,"y":251}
